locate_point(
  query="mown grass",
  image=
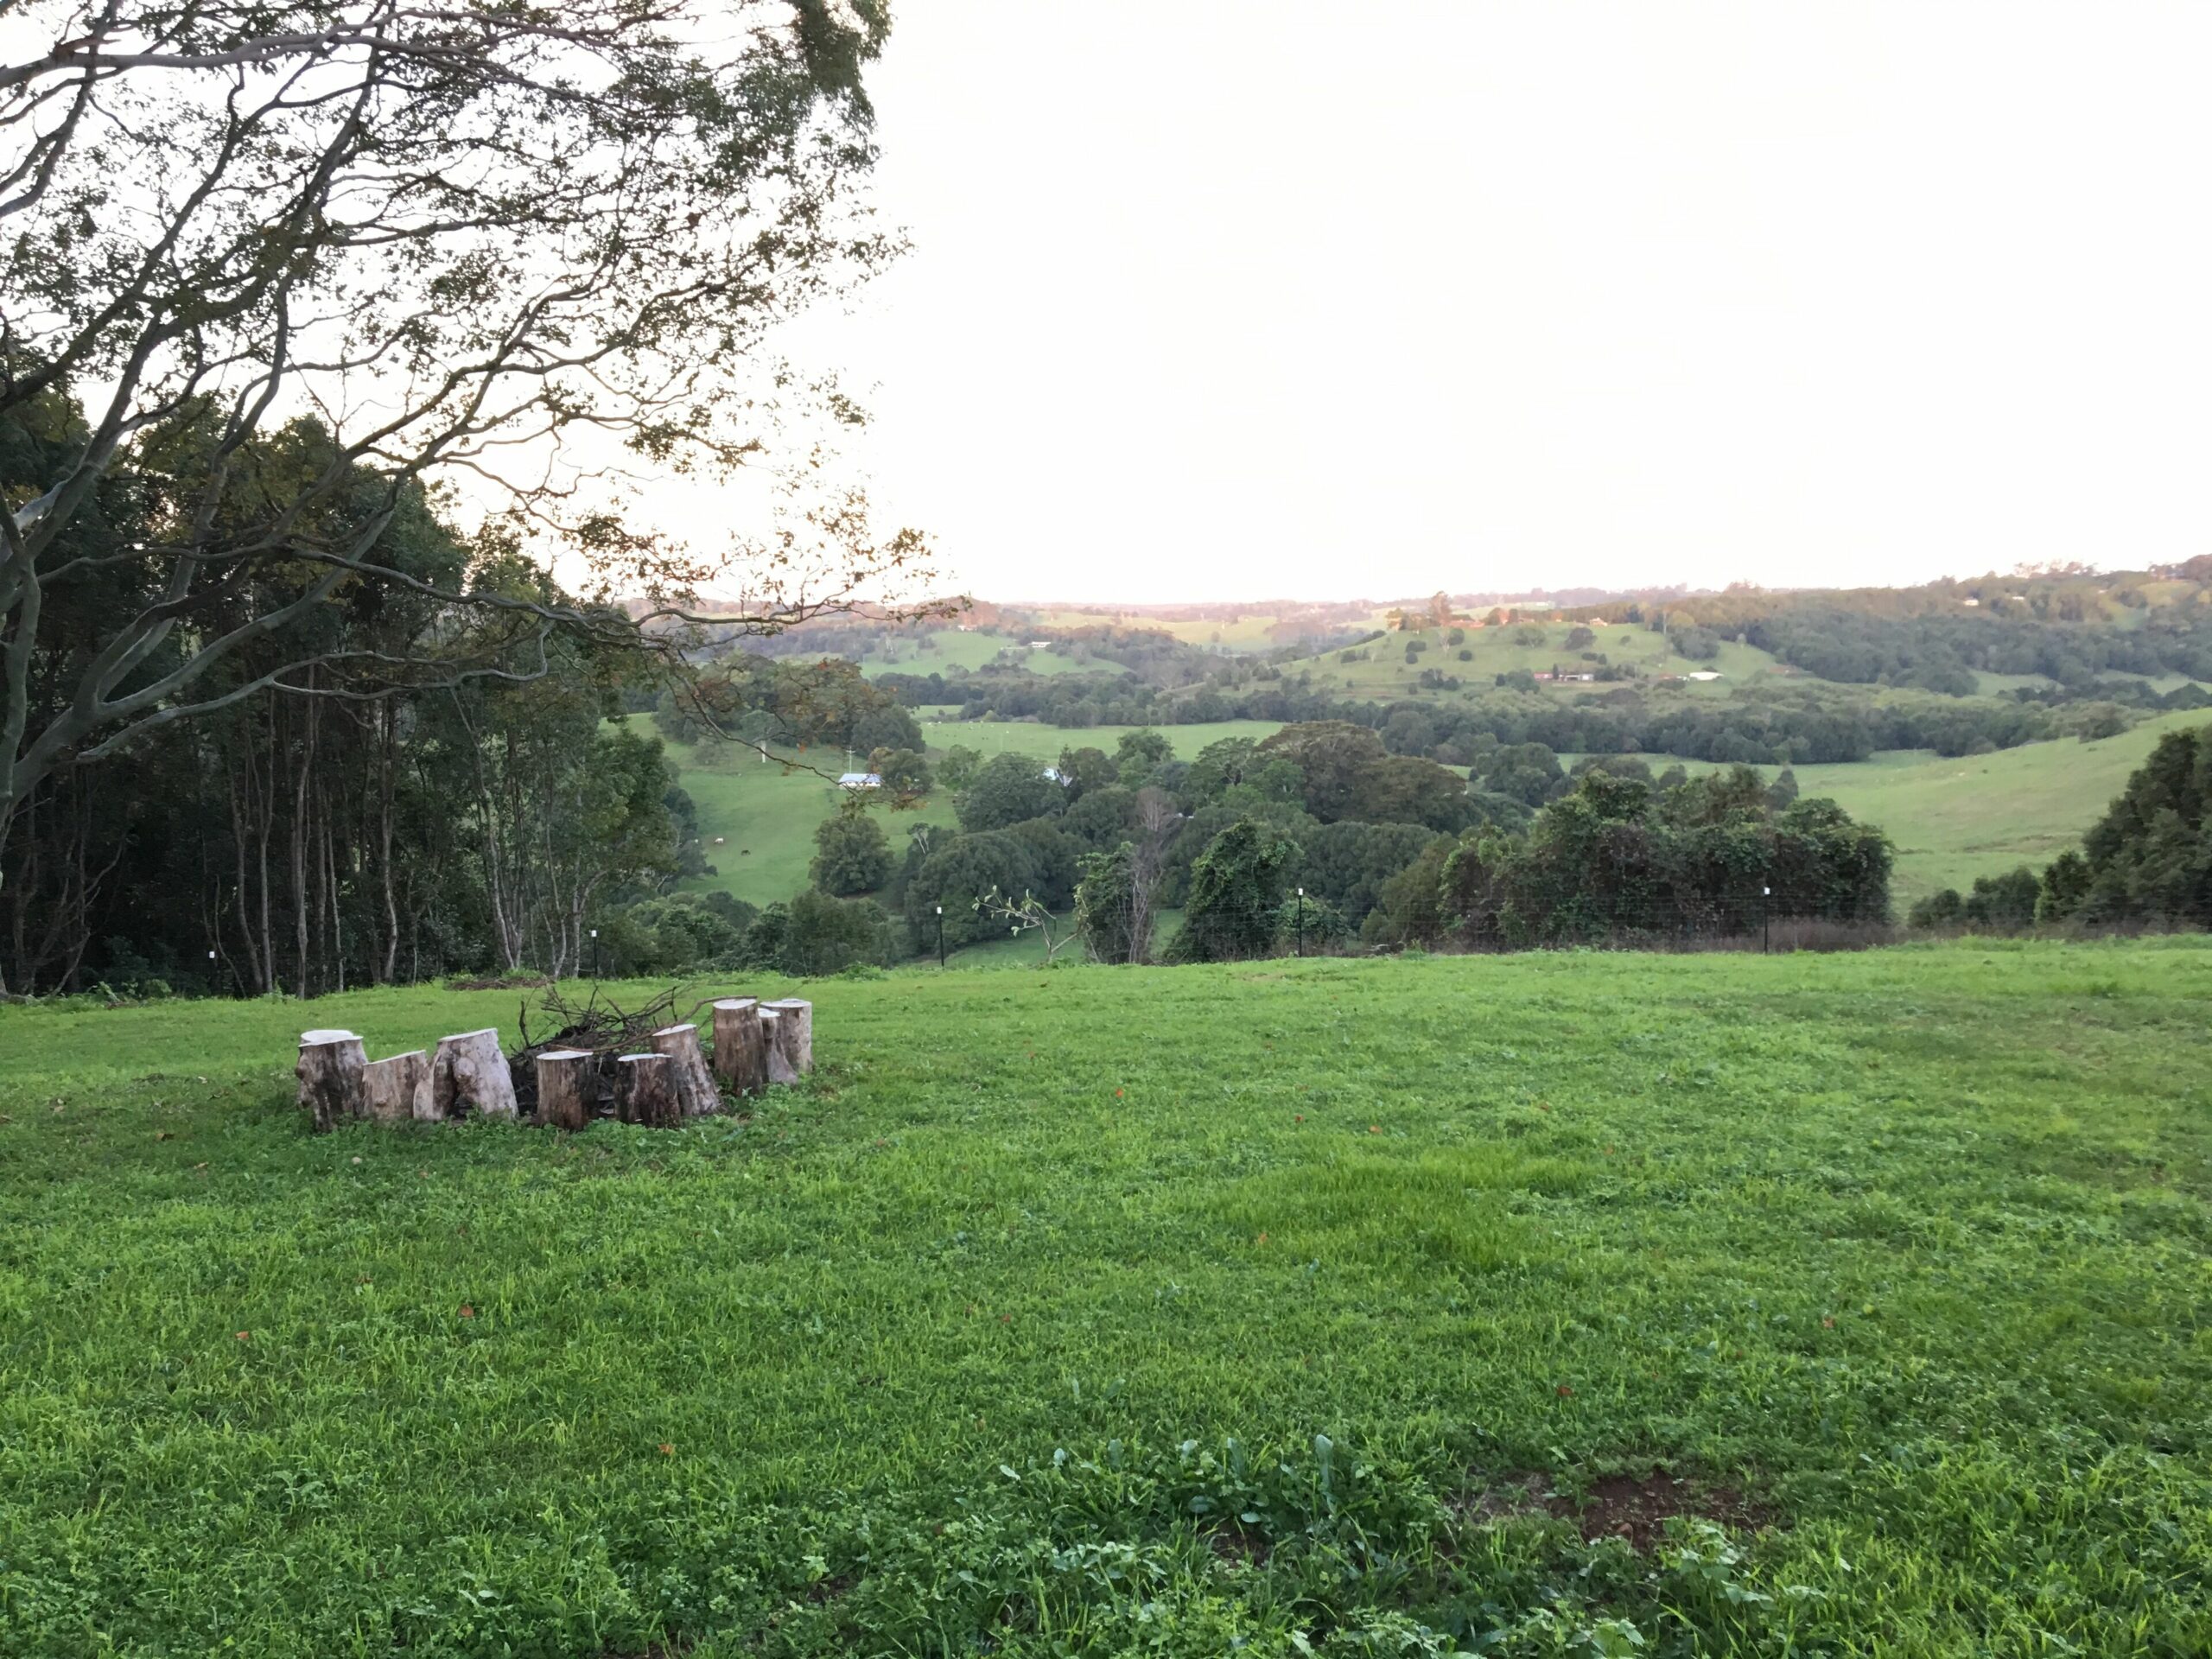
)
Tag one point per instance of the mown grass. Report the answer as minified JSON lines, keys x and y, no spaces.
{"x":1174,"y":1311}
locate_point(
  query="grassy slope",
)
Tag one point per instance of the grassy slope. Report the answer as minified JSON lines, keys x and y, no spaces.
{"x":957,"y":650}
{"x":766,"y":815}
{"x":991,"y":737}
{"x":1254,"y":633}
{"x":1981,"y":815}
{"x":1499,"y":650}
{"x":1914,"y":1246}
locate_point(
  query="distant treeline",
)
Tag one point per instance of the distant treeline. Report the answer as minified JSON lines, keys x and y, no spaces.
{"x":1786,"y":725}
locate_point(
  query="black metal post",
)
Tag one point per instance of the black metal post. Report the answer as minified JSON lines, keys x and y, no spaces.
{"x":1766,"y":945}
{"x":940,"y":936}
{"x":1302,"y":921}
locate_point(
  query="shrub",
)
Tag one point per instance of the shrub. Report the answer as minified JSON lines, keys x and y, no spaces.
{"x":1235,"y":888}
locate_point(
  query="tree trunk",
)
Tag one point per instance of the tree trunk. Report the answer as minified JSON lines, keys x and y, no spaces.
{"x":469,"y":1074}
{"x":331,"y":1063}
{"x":645,"y":1091}
{"x":398,"y":1088}
{"x":568,"y":1087}
{"x":791,"y":1056}
{"x":741,"y":1046}
{"x":695,"y":1084}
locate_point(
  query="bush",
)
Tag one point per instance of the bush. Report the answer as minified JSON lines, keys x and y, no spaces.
{"x":821,"y":934}
{"x":1235,"y":888}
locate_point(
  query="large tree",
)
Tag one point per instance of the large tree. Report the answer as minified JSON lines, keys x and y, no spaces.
{"x":525,"y":248}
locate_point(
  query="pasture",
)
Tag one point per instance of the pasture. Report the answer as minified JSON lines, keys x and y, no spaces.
{"x":1952,"y":820}
{"x":766,"y":812}
{"x":1538,"y":647}
{"x":1384,"y":1307}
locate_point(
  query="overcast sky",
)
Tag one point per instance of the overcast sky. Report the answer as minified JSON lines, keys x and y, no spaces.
{"x":1213,"y":299}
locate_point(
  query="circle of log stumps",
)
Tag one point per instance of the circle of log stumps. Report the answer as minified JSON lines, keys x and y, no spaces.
{"x":752,"y":1045}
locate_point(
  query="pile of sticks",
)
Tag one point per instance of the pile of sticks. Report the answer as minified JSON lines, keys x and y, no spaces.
{"x":603,"y":1063}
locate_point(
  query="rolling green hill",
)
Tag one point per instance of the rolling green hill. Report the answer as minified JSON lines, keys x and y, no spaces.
{"x":1982,"y":815}
{"x":1341,"y":1308}
{"x":950,"y":648}
{"x":1538,"y":647}
{"x":1951,"y":819}
{"x":756,"y":819}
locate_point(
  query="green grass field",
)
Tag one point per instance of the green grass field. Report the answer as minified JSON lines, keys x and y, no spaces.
{"x":1493,"y":651}
{"x":1981,"y":815}
{"x":1280,"y":1309}
{"x":990,"y":737}
{"x":765,"y":814}
{"x":950,"y":648}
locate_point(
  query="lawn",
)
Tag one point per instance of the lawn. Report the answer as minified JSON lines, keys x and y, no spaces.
{"x":1286,"y":1308}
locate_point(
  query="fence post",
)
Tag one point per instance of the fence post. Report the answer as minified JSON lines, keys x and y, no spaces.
{"x":1766,"y":946}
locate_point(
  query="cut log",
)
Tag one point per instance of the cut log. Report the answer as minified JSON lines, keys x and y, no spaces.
{"x":741,"y":1050}
{"x":568,"y":1087}
{"x":331,"y":1063}
{"x":645,"y":1091}
{"x":794,"y":1038}
{"x":778,"y":1071}
{"x":398,"y":1088}
{"x":468,"y":1074}
{"x":695,"y":1084}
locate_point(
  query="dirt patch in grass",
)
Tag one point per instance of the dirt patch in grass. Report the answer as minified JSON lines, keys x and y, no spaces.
{"x":1637,"y":1508}
{"x":1633,"y":1507}
{"x":1238,"y":1548}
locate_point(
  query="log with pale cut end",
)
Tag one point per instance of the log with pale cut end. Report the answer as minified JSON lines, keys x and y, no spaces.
{"x":741,"y":1050}
{"x":568,"y":1087}
{"x":780,"y":1069}
{"x":468,"y":1074}
{"x":330,"y":1071}
{"x":645,"y":1091}
{"x":398,"y":1088}
{"x":794,"y":1038}
{"x":695,"y":1084}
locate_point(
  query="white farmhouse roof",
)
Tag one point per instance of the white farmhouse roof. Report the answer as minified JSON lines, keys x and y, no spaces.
{"x":1705,"y":674}
{"x":861,"y":780}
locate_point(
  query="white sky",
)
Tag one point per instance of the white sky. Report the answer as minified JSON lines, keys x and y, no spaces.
{"x":1230,"y":299}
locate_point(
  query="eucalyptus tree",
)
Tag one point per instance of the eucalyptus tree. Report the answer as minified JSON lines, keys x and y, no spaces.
{"x":533,"y":249}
